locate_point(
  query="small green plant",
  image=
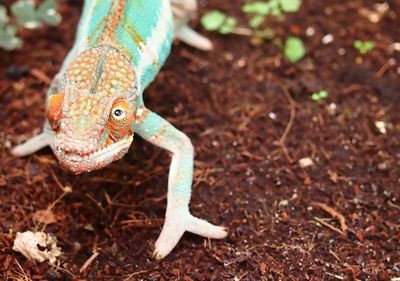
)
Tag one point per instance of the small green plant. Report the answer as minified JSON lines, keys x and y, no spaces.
{"x":260,"y":9}
{"x":294,"y":49}
{"x":8,"y":39}
{"x":363,"y":47}
{"x":321,"y":95}
{"x":217,"y":21}
{"x":26,"y":15}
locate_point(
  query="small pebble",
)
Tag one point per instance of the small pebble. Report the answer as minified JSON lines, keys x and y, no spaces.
{"x":327,"y":39}
{"x":332,"y":108}
{"x":341,"y":51}
{"x":272,"y":115}
{"x":241,"y":62}
{"x":306,"y":162}
{"x":395,"y":46}
{"x":310,"y":31}
{"x":381,"y":126}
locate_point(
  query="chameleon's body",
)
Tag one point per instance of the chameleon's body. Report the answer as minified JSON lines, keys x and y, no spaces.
{"x":95,"y":104}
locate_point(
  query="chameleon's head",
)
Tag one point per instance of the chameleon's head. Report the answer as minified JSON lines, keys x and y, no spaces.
{"x":93,"y":115}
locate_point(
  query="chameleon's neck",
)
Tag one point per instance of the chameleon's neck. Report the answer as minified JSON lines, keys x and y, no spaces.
{"x":100,"y":20}
{"x":112,"y":20}
{"x":141,"y":29}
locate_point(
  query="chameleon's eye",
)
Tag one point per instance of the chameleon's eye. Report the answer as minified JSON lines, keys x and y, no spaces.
{"x":120,"y":120}
{"x":119,"y":113}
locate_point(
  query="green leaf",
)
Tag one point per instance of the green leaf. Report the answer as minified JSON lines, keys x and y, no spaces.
{"x":228,"y":25}
{"x":24,"y":11}
{"x":213,"y":20}
{"x":256,"y":21}
{"x":10,"y":43}
{"x":323,"y":94}
{"x":369,"y":45}
{"x":48,"y":5}
{"x":315,"y":97}
{"x":294,"y":49}
{"x":290,"y":6}
{"x":276,"y":12}
{"x":10,"y":30}
{"x":357,"y":44}
{"x":47,"y":12}
{"x":364,"y":46}
{"x":3,"y":16}
{"x":261,"y":8}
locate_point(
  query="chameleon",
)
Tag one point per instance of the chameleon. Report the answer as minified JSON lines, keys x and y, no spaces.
{"x":95,"y":102}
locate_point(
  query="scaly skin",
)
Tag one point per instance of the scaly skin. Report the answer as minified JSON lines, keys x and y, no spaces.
{"x":95,"y":104}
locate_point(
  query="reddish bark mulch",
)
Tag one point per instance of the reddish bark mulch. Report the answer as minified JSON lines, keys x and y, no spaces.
{"x":232,"y":104}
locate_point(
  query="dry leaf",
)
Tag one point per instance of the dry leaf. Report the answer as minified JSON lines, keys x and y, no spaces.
{"x":37,"y":246}
{"x":45,"y":216}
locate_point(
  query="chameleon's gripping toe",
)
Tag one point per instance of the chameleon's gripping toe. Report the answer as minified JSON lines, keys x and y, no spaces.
{"x":194,"y":39}
{"x":174,"y":227}
{"x":183,"y":11}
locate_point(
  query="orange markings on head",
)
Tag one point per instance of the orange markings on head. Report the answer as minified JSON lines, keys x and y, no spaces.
{"x":120,"y":120}
{"x":54,"y":103}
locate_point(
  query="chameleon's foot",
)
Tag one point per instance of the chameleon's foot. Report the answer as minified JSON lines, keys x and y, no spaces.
{"x":34,"y":144}
{"x":179,"y":222}
{"x":183,"y":11}
{"x":194,"y":39}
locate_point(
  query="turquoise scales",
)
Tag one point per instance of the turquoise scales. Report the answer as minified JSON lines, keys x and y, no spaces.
{"x":95,"y":104}
{"x":144,"y":32}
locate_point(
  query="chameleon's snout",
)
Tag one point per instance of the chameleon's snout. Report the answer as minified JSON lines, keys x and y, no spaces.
{"x":79,"y":159}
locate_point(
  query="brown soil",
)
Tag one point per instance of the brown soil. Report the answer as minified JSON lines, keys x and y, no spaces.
{"x":232,"y":103}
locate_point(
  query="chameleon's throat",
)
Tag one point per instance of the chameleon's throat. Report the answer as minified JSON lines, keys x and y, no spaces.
{"x":97,"y":159}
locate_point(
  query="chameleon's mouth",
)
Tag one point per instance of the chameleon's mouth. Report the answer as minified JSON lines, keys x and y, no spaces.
{"x":92,"y":160}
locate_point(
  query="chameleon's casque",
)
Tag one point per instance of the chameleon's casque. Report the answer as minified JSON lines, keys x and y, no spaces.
{"x":95,"y":103}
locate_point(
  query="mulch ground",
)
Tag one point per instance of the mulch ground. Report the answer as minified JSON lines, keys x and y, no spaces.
{"x":251,"y":119}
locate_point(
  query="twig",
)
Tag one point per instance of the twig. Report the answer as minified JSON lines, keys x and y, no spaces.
{"x":335,"y":255}
{"x":334,"y":275}
{"x":22,"y":276}
{"x":37,"y":73}
{"x":290,"y":123}
{"x":98,"y":204}
{"x":334,"y":214}
{"x":51,"y":206}
{"x":89,"y":261}
{"x":391,"y":204}
{"x":57,"y":267}
{"x":329,"y":226}
{"x":130,"y":276}
{"x":242,"y":31}
{"x":66,"y":189}
{"x":292,"y":115}
{"x":385,"y":67}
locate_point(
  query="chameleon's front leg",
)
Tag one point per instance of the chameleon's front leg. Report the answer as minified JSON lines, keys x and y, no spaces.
{"x":178,"y":219}
{"x":45,"y":138}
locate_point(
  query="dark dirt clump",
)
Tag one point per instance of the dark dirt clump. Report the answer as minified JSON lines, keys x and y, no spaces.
{"x":249,"y":134}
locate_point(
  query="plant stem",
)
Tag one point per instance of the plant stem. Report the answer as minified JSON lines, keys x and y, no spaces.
{"x":242,"y":31}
